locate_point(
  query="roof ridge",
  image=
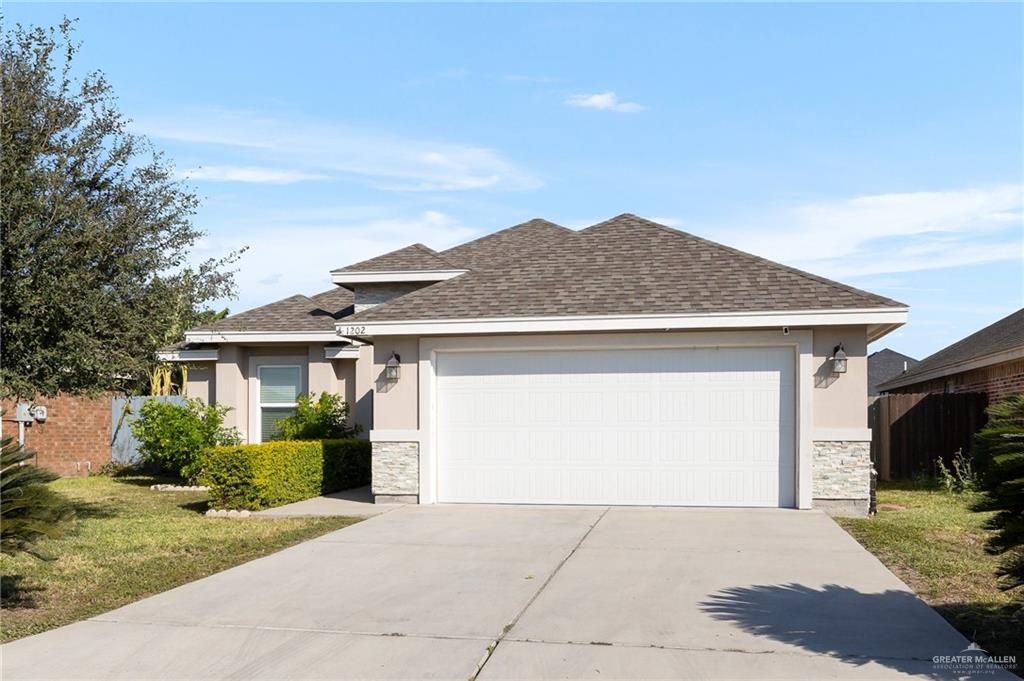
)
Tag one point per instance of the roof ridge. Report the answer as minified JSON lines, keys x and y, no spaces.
{"x":745,"y":254}
{"x":508,"y":229}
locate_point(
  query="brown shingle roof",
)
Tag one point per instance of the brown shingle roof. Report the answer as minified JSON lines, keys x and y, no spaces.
{"x":414,"y":258}
{"x":626,"y":265}
{"x":517,"y":241}
{"x":1005,"y":334}
{"x":295,"y":313}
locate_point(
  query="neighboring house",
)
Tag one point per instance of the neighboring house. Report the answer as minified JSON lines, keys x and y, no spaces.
{"x":884,"y":365}
{"x":989,"y":361}
{"x":625,"y":363}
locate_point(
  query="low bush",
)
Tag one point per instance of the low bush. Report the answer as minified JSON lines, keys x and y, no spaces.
{"x":962,"y":478}
{"x":275,"y":473}
{"x":323,"y":419}
{"x":173,"y":437}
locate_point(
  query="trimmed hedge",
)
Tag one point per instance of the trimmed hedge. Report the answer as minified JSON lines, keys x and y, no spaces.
{"x":275,"y":473}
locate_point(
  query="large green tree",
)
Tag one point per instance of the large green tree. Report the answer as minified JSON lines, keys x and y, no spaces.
{"x":97,"y":232}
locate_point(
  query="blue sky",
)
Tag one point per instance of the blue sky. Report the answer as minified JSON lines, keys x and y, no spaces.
{"x":876,"y":144}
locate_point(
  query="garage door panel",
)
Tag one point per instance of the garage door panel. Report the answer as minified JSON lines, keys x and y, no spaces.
{"x":682,"y":426}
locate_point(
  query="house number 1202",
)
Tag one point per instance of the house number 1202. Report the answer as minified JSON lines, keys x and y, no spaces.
{"x":354,"y":331}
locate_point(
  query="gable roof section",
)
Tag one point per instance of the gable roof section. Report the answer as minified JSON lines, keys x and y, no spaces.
{"x":623,"y":266}
{"x":997,"y":342}
{"x":414,"y":258}
{"x":295,"y":313}
{"x":884,"y":365}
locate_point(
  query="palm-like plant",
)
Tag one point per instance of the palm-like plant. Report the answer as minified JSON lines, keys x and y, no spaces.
{"x":29,"y":510}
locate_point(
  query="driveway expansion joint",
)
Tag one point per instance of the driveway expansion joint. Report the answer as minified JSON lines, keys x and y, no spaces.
{"x":512,"y":623}
{"x":302,"y":630}
{"x":711,"y":649}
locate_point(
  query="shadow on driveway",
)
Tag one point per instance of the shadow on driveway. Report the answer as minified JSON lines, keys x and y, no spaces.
{"x":840,"y":622}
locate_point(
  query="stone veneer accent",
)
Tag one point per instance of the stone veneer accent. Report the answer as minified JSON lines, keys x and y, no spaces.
{"x":366,"y":296}
{"x":841,"y":475}
{"x":395,"y":469}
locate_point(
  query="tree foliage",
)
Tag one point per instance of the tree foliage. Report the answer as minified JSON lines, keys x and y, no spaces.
{"x":97,"y":232}
{"x":29,"y":510}
{"x":999,"y":449}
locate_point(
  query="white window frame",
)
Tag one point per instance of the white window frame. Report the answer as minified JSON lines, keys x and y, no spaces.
{"x":256,"y":364}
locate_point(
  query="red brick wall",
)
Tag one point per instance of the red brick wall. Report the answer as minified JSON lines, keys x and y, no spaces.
{"x":74,"y":439}
{"x":998,"y":380}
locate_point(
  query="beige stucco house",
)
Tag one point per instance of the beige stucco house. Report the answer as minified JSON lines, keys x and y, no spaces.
{"x":625,"y":363}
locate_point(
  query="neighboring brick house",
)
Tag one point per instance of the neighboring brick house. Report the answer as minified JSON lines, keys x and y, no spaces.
{"x":884,"y":365}
{"x":625,"y":363}
{"x":988,"y":361}
{"x":74,"y":439}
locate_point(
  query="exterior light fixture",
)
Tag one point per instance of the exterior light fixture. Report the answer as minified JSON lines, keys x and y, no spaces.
{"x":393,"y":367}
{"x":839,"y":360}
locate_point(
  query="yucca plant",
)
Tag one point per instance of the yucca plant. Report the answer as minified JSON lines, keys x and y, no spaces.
{"x":29,"y":510}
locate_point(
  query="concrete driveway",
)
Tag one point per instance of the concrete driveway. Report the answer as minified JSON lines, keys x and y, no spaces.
{"x":494,"y":592}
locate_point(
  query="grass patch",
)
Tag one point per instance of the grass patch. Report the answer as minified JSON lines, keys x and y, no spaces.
{"x":936,"y":544}
{"x":128,"y":542}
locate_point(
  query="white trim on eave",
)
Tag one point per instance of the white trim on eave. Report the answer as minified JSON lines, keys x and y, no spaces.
{"x":262,"y":337}
{"x":389,"y":276}
{"x":956,"y":368}
{"x":204,"y":355}
{"x":886,"y":318}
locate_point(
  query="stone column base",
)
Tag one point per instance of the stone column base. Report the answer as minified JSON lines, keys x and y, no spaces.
{"x":395,"y":472}
{"x":396,"y":499}
{"x":855,"y":508}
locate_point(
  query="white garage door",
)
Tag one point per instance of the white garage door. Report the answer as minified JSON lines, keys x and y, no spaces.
{"x":688,"y":427}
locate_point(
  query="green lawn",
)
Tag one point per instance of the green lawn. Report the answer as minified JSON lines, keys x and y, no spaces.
{"x":936,"y":544}
{"x":128,"y":542}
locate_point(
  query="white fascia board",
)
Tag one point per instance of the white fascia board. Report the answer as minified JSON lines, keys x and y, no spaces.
{"x":891,"y":317}
{"x":205,"y":355}
{"x":958,"y":368}
{"x":387,"y":277}
{"x":346,"y":352}
{"x":261,"y":337}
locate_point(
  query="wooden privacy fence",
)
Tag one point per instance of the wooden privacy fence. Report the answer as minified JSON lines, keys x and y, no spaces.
{"x":910,"y":431}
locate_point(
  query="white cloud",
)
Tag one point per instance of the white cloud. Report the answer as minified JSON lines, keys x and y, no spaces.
{"x":315,"y":147}
{"x":252,"y":174}
{"x":890,"y":233}
{"x":604,"y":101}
{"x":294,"y":252}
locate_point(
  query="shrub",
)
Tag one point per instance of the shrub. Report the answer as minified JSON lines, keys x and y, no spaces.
{"x":174,"y":436}
{"x":29,"y":509}
{"x":999,"y":447}
{"x":324,"y":419}
{"x":275,"y":473}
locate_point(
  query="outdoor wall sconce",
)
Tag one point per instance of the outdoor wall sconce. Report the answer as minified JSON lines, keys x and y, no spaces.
{"x":839,"y":359}
{"x":393,"y":368}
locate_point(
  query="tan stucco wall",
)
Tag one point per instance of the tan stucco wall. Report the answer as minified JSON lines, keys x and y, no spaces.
{"x":201,"y":380}
{"x":840,"y":400}
{"x":396,"y":405}
{"x":229,"y":387}
{"x":364,"y":378}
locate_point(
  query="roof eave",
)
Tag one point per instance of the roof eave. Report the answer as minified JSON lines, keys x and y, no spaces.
{"x":230,"y":337}
{"x":347,"y":278}
{"x":878,"y":320}
{"x":954,"y":368}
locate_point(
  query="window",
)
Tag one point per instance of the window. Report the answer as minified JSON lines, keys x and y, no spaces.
{"x":279,"y":389}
